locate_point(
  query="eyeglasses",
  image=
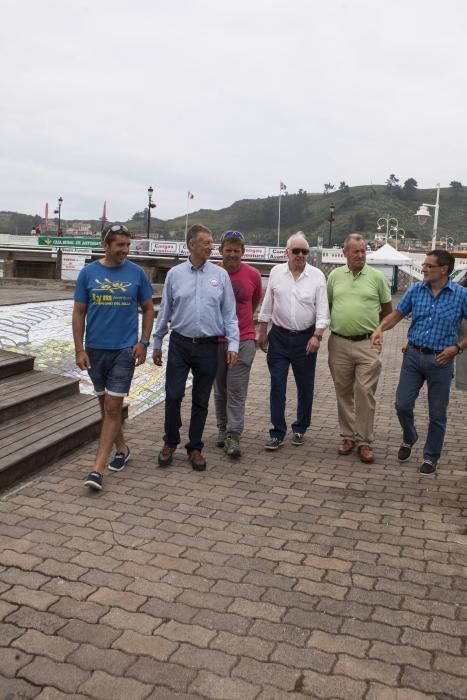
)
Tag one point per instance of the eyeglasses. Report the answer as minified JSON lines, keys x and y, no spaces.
{"x":117,"y":228}
{"x":232,"y":234}
{"x":429,"y":265}
{"x":297,"y":251}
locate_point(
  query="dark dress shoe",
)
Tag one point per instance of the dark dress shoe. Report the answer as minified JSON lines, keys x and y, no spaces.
{"x":366,"y":454}
{"x":165,"y":456}
{"x":346,"y":446}
{"x":198,"y":463}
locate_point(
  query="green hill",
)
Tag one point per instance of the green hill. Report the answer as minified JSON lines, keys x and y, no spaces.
{"x":356,"y":210}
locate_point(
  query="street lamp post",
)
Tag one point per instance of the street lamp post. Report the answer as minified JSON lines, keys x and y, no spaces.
{"x":423,"y":215}
{"x":151,"y":205}
{"x":400,"y":232}
{"x":58,"y":211}
{"x":387,"y":221}
{"x":331,"y":219}
{"x":448,"y":241}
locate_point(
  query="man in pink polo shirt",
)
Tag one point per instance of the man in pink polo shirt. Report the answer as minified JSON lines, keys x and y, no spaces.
{"x":231,"y":383}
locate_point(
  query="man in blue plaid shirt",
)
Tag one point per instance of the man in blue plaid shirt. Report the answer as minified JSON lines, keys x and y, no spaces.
{"x":437,"y":306}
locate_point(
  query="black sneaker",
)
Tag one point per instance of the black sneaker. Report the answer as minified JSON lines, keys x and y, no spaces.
{"x":427,"y":468}
{"x":221,"y":435}
{"x":119,"y":461}
{"x":298,"y":439}
{"x":273,"y":444}
{"x":94,"y":480}
{"x":405,"y":450}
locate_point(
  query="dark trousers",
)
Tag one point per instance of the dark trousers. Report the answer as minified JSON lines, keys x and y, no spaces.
{"x":416,"y":369}
{"x":285,"y":350}
{"x":201,"y":359}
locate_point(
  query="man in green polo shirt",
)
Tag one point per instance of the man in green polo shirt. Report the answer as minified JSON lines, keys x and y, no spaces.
{"x":359,"y":297}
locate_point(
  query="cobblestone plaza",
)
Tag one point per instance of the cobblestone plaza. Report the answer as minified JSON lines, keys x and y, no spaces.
{"x":297,"y":574}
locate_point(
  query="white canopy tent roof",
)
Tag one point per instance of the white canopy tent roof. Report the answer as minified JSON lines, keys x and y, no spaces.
{"x":387,"y":255}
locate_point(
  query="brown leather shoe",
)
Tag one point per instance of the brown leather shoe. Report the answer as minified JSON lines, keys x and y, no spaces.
{"x":365,"y":453}
{"x":346,"y":446}
{"x":165,"y":455}
{"x":198,"y":463}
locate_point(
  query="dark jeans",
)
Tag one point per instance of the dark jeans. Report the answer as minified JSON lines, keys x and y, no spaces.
{"x":184,"y":355}
{"x":416,"y":369}
{"x":285,"y":350}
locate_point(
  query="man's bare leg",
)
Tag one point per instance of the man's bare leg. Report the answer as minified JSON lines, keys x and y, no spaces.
{"x":119,"y":441}
{"x":111,"y":431}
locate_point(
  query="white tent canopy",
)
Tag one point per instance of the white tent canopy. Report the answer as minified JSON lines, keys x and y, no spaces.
{"x":387,"y":255}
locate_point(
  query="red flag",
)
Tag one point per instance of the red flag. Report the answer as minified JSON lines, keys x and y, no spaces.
{"x":46,"y":217}
{"x":191,"y":195}
{"x":283,"y":186}
{"x":104,"y":216}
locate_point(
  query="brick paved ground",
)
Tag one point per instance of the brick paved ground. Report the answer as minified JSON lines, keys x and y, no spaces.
{"x":298,"y":574}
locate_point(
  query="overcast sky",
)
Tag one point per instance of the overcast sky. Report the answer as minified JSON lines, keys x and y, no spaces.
{"x":102,"y":98}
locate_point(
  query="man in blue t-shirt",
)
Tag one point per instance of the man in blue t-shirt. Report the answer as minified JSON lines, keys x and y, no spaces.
{"x":437,"y":307}
{"x":107,"y":296}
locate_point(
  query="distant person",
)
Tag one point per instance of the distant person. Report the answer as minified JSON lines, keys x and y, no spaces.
{"x":359,"y":297}
{"x":437,"y":307}
{"x":296,"y":304}
{"x":199,"y":303}
{"x":461,"y":359}
{"x":107,"y":296}
{"x":231,"y":384}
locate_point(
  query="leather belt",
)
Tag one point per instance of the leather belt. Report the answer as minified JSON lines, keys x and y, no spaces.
{"x":355,"y":338}
{"x":204,"y":340}
{"x":289,"y":332}
{"x":425,"y":351}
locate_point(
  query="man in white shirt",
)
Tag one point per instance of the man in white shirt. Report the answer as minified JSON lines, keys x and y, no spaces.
{"x":297,"y":305}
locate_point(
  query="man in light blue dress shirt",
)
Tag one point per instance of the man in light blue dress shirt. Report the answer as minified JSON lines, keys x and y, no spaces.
{"x":199,"y":303}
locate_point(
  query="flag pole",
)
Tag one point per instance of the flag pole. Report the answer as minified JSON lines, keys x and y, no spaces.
{"x":279,"y":218}
{"x":186,"y":220}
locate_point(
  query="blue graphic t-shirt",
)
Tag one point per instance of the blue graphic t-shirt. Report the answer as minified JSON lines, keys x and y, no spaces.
{"x":113,"y":295}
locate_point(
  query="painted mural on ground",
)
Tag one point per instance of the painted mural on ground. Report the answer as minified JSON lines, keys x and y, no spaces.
{"x":44,"y":330}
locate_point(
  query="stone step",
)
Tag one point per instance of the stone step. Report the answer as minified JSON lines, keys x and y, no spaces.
{"x":42,"y":436}
{"x":12,"y":363}
{"x":32,"y":390}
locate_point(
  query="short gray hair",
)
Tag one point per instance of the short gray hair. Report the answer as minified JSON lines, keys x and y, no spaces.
{"x":299,"y":235}
{"x":352,"y":237}
{"x":193,"y":232}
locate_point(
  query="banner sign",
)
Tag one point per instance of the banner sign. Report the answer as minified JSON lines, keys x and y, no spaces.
{"x":69,"y":242}
{"x":179,"y":249}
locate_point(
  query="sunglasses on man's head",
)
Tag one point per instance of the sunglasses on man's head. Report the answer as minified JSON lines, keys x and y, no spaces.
{"x":297,"y":251}
{"x":233,"y":234}
{"x":117,"y":228}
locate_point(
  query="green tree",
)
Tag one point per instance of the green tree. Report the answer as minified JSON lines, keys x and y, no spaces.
{"x":456,"y":185}
{"x":409,"y":189}
{"x":328,"y":187}
{"x":343,"y":186}
{"x":392,"y":181}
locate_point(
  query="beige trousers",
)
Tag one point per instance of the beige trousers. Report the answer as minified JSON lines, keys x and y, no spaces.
{"x":355,"y":368}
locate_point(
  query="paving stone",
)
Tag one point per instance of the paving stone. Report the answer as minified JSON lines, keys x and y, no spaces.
{"x":400,"y":654}
{"x":64,"y":676}
{"x":168,"y":611}
{"x":157,"y":647}
{"x":338,"y":643}
{"x":255,"y":610}
{"x":17,"y":689}
{"x":107,"y":597}
{"x":194,"y":634}
{"x":332,"y":687}
{"x":91,"y":658}
{"x":103,"y":686}
{"x":237,"y":645}
{"x":78,"y":631}
{"x":438,"y":683}
{"x":35,"y":642}
{"x":78,"y":609}
{"x":208,"y":659}
{"x":382,"y":692}
{"x":11,"y":660}
{"x":19,"y":595}
{"x":45,"y":622}
{"x":54,"y":694}
{"x":219,"y":688}
{"x":228,"y":622}
{"x":158,"y":673}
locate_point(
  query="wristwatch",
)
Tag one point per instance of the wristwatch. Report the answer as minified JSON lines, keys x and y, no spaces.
{"x":318,"y":336}
{"x":145,"y":343}
{"x":459,"y":349}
